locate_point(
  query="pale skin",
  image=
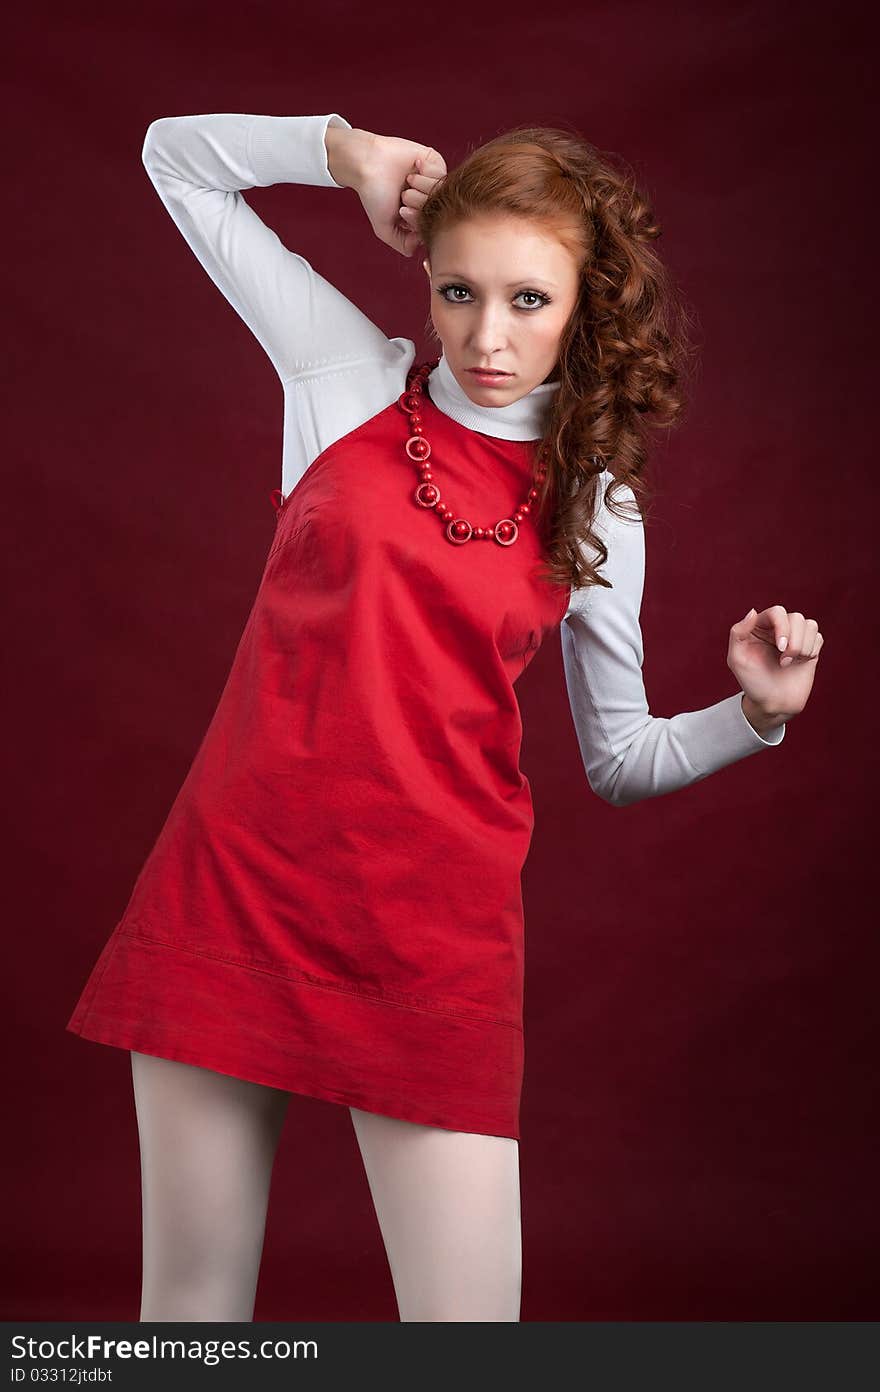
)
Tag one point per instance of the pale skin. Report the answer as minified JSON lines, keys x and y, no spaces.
{"x":491,"y":313}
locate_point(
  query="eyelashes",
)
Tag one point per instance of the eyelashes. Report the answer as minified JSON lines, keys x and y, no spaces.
{"x":529,"y":309}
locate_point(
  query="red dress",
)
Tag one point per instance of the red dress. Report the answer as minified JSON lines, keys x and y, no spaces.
{"x":333,"y":905}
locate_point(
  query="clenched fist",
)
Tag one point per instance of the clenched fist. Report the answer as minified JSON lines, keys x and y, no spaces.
{"x":396,"y":178}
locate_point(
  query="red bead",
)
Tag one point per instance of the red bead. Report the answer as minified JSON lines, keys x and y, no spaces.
{"x":417,"y":447}
{"x":459,"y":531}
{"x":506,"y":532}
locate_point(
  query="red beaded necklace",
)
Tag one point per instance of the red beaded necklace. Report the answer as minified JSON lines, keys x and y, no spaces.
{"x":427,"y":495}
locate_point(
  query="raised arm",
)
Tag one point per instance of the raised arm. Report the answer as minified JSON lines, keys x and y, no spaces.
{"x":199,"y":166}
{"x":628,"y":753}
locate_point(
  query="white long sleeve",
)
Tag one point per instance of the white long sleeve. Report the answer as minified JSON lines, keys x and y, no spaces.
{"x":336,"y":366}
{"x":628,"y":753}
{"x":338,"y":369}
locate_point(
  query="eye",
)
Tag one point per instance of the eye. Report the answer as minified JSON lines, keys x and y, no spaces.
{"x":538,"y":295}
{"x":535,"y":295}
{"x":442,"y":289}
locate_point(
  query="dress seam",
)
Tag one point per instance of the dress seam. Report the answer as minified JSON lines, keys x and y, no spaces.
{"x":304,"y":979}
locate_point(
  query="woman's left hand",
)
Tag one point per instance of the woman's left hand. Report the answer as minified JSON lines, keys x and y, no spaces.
{"x":773,"y":657}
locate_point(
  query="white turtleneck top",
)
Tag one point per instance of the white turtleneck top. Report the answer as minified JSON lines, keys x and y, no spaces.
{"x":338,"y":369}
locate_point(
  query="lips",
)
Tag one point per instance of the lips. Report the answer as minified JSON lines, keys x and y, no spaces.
{"x":487,"y":372}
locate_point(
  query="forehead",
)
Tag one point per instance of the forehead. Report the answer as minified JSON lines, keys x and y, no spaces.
{"x":500,"y":251}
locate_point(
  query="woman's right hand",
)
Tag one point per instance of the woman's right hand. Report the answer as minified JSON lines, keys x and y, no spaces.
{"x":396,"y":177}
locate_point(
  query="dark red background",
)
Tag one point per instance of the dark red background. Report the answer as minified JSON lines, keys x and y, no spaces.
{"x":700,"y":1105}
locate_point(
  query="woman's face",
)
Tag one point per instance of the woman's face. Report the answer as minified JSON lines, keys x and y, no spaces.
{"x":502,"y":291}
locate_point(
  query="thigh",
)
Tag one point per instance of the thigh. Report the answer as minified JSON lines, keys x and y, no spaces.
{"x":207,"y":1146}
{"x":448,"y":1206}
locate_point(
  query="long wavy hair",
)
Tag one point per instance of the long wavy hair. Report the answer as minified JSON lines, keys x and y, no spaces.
{"x":625,"y":353}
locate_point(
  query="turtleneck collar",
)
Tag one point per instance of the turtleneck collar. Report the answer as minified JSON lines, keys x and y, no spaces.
{"x":520,"y":420}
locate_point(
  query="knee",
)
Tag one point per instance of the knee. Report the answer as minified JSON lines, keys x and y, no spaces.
{"x":490,"y":1301}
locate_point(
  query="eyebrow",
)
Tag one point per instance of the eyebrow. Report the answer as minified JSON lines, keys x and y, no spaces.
{"x":537,"y":280}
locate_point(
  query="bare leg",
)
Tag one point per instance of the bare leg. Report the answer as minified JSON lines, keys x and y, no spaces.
{"x":207,"y":1145}
{"x":448,"y":1206}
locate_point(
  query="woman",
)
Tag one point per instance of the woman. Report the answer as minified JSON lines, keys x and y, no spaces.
{"x":333,"y":905}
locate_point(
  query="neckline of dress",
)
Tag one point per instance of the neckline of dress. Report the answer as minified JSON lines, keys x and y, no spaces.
{"x":524,"y":419}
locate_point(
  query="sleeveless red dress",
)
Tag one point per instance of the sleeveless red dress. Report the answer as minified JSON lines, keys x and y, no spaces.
{"x":333,"y":905}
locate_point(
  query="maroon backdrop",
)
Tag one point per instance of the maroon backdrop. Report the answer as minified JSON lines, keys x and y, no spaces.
{"x":700,"y":1102}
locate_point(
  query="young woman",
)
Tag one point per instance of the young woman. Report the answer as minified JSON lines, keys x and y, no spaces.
{"x":333,"y":905}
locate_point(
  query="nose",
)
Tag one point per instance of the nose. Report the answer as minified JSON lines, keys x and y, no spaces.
{"x":487,"y":332}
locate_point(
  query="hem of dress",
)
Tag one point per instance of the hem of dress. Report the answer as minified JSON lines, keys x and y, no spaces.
{"x":348,"y":1048}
